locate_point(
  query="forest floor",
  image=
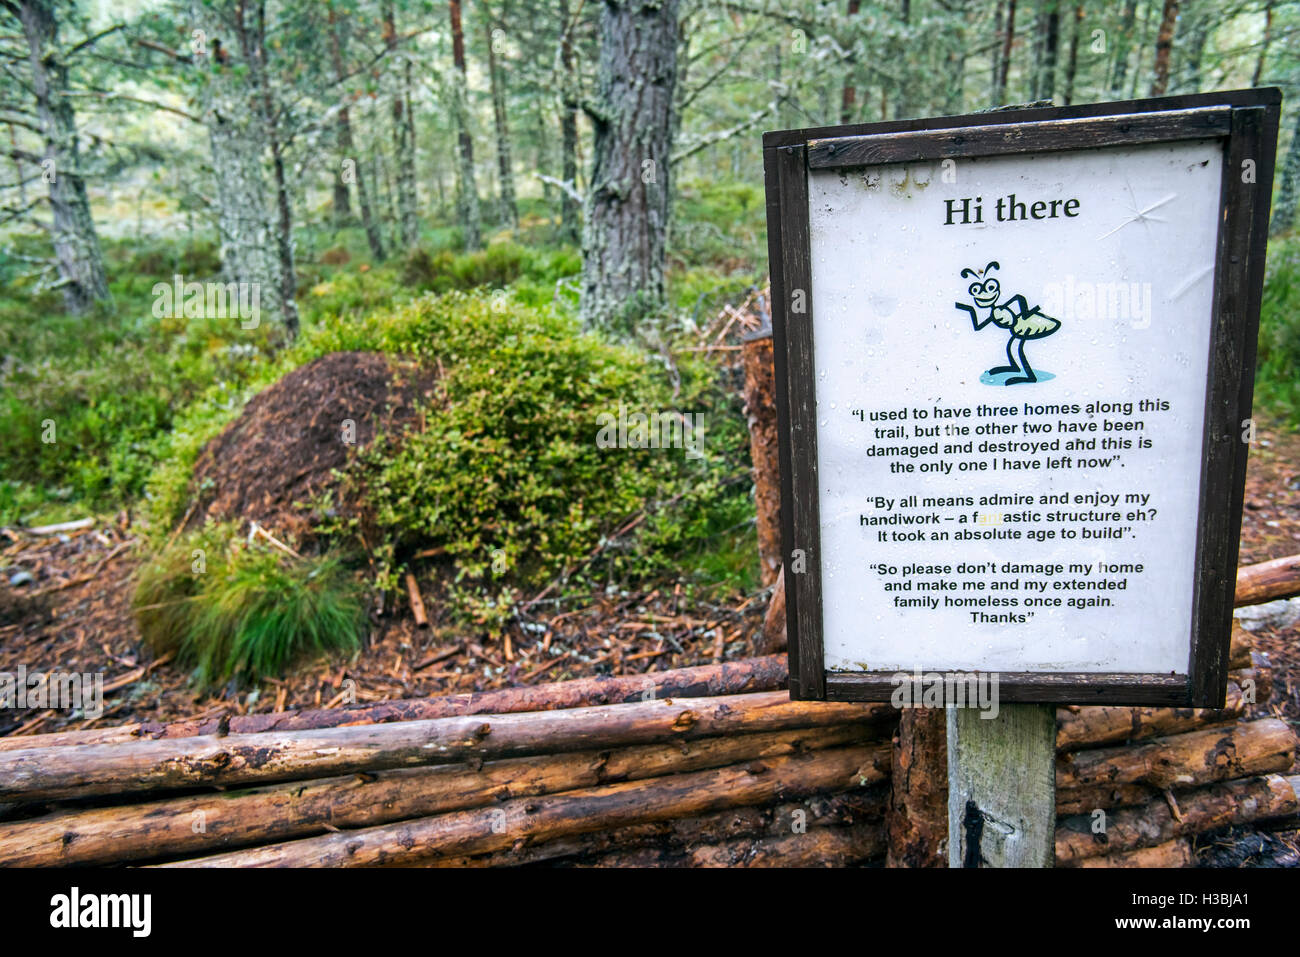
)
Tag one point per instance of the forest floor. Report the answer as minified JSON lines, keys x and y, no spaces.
{"x":76,"y":616}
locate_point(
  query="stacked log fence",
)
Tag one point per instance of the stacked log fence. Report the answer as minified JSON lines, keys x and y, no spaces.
{"x":712,"y":766}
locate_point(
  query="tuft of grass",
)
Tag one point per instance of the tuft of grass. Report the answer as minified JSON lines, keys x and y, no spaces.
{"x":240,"y":611}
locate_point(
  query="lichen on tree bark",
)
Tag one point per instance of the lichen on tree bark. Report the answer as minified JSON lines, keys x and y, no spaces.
{"x":627,"y":213}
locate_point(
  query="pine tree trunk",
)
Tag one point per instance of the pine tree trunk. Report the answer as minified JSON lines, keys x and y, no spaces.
{"x":849,"y":94}
{"x":341,"y":200}
{"x":1122,"y":47}
{"x":348,"y":149}
{"x":252,"y":38}
{"x":408,"y":223}
{"x":1164,"y":47}
{"x":628,"y":201}
{"x":902,"y":103}
{"x":76,"y":245}
{"x":505,"y":168}
{"x":244,"y":223}
{"x":956,"y":60}
{"x":1072,"y":64}
{"x":1141,"y":51}
{"x":570,"y":214}
{"x":1051,"y":41}
{"x":1004,"y":60}
{"x":467,"y":189}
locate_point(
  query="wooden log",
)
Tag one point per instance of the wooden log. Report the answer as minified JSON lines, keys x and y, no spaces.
{"x":229,"y":819}
{"x":772,"y":638}
{"x":917,"y":821}
{"x":1182,"y":760}
{"x":680,"y":835}
{"x":547,"y":817}
{"x":417,"y":601}
{"x":1106,"y":797}
{"x":1267,"y":581}
{"x":1001,"y":807}
{"x":1199,"y":809}
{"x":1176,"y":853}
{"x":56,"y":739}
{"x":820,"y":847}
{"x":1097,"y":726}
{"x":760,"y":414}
{"x":1240,"y":645}
{"x":52,"y":773}
{"x":736,"y":677}
{"x":1261,"y":674}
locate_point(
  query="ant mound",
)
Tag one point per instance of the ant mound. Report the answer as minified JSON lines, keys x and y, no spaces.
{"x":276,"y":461}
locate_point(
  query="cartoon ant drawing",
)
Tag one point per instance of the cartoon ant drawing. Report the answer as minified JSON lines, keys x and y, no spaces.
{"x":1013,"y":315}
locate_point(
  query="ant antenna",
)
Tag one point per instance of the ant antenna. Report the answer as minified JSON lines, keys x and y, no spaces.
{"x":970,"y":272}
{"x":992,"y":265}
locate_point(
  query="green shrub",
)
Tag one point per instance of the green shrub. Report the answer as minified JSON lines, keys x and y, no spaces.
{"x":508,"y":464}
{"x":230,"y":609}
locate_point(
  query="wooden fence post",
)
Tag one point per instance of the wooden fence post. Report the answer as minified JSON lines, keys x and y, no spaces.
{"x":1002,"y":787}
{"x":760,"y":413}
{"x":916,"y":822}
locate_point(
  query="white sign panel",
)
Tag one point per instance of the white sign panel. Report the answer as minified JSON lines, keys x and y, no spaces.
{"x":1010,"y":396}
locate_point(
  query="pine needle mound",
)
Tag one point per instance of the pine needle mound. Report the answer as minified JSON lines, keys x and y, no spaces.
{"x":283,"y":451}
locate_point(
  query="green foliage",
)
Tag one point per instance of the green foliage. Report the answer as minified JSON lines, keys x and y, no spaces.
{"x":229,"y":609}
{"x":1277,"y":381}
{"x":499,"y":265}
{"x":719,"y":223}
{"x":106,"y":388}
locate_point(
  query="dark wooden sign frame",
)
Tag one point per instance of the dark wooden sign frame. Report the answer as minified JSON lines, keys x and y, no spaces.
{"x":1247,"y":122}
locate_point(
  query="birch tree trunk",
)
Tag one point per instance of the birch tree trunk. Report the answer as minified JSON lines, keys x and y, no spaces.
{"x":628,"y":200}
{"x":76,"y":245}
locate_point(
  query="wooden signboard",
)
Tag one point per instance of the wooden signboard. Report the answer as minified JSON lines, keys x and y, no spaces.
{"x":1014,"y":356}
